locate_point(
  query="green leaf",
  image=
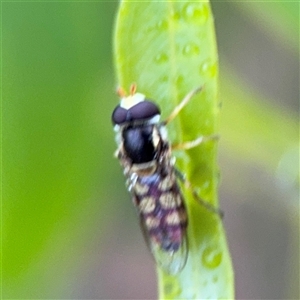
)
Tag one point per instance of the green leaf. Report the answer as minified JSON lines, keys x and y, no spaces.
{"x":168,"y":49}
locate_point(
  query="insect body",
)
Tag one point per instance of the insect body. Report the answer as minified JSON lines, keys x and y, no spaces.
{"x":145,"y":155}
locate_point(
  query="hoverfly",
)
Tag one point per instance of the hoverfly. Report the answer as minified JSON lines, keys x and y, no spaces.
{"x":145,"y":154}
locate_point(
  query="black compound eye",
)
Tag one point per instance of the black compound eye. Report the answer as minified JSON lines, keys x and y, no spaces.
{"x":119,"y":115}
{"x":143,"y":110}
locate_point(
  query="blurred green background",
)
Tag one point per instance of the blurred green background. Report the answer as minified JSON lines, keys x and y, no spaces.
{"x":68,"y":227}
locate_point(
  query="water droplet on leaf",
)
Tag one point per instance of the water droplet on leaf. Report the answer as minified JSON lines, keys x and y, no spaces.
{"x":191,"y":49}
{"x":179,"y":80}
{"x":196,"y":12}
{"x":161,"y":58}
{"x":175,"y":15}
{"x":211,"y":257}
{"x":164,"y":78}
{"x":162,"y":25}
{"x":208,"y":69}
{"x":172,"y":289}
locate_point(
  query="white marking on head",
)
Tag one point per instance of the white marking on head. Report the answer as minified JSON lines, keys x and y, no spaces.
{"x":155,"y":137}
{"x":130,"y":101}
{"x":163,"y":133}
{"x":154,"y":120}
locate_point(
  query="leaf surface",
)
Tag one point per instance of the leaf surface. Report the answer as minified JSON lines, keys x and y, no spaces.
{"x":169,"y":49}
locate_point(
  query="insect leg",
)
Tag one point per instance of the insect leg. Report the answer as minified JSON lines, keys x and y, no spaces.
{"x":204,"y":203}
{"x":181,"y":105}
{"x":195,"y":143}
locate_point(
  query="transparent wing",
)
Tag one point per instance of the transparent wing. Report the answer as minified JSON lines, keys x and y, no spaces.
{"x":171,"y":261}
